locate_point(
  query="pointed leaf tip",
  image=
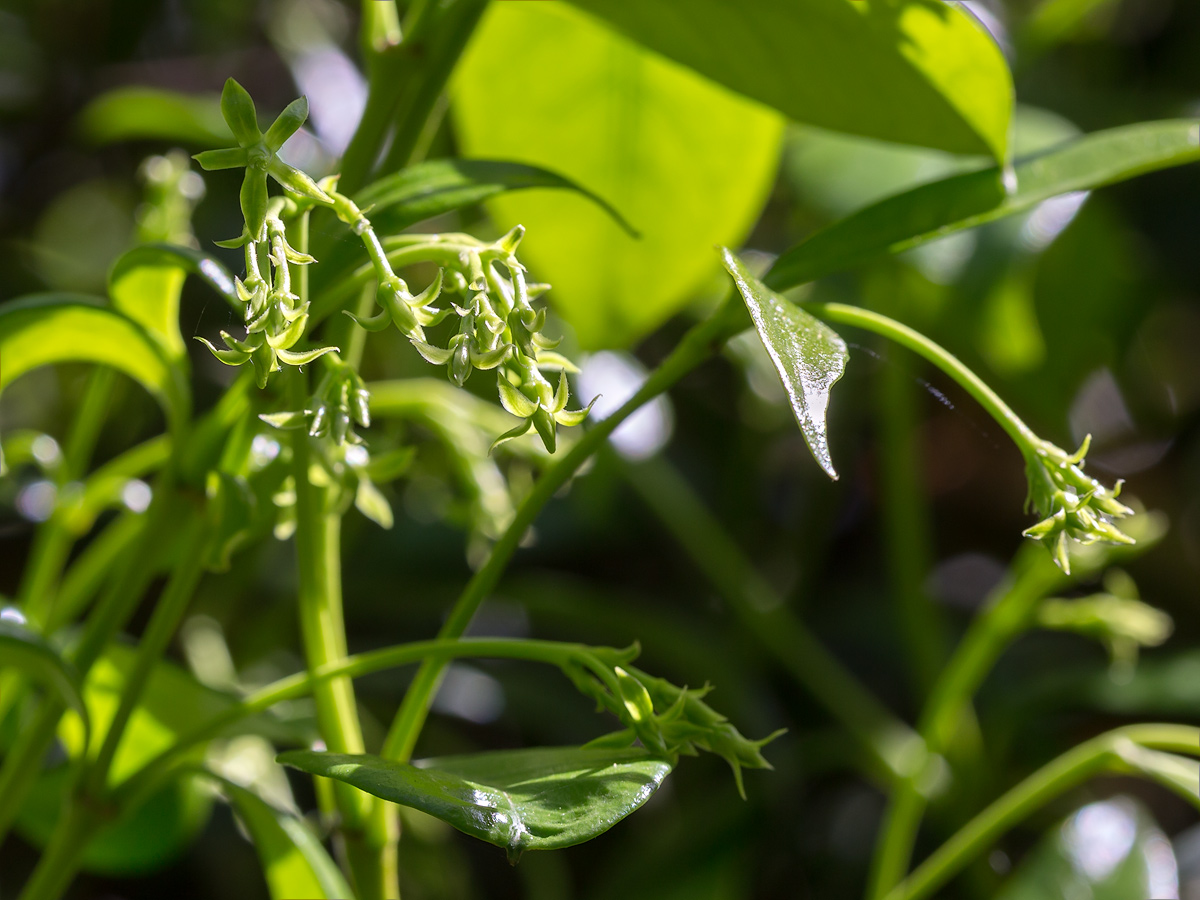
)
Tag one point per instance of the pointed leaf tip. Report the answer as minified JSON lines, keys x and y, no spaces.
{"x":808,"y":355}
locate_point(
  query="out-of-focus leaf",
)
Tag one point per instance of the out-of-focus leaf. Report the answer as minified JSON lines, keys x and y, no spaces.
{"x":24,"y":649}
{"x":146,"y":281}
{"x":808,"y":355}
{"x":1111,"y":850}
{"x":43,"y":329}
{"x":975,"y":198}
{"x":688,"y":163}
{"x":139,"y":113}
{"x":539,"y":799}
{"x":1055,"y":21}
{"x":442,"y":185}
{"x":293,"y":860}
{"x":916,"y":71}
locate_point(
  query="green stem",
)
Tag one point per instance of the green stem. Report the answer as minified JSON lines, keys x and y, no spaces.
{"x":304,"y":683}
{"x":405,"y":84}
{"x":893,"y":746}
{"x":907,"y":533}
{"x":61,"y":858}
{"x":164,"y":621}
{"x":318,"y":553}
{"x":53,"y":541}
{"x":698,"y":345}
{"x":82,"y":580}
{"x":1075,"y":766}
{"x":1021,"y":434}
{"x":1007,"y":615}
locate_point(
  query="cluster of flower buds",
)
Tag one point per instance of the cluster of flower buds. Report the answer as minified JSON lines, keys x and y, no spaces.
{"x":274,"y":316}
{"x":498,"y":329}
{"x":1075,"y":506}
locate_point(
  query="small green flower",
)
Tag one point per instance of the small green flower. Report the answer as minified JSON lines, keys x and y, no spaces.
{"x":258,"y":154}
{"x":1076,"y":507}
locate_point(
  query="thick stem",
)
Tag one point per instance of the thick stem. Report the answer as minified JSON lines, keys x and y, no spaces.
{"x":61,"y":858}
{"x":893,"y":746}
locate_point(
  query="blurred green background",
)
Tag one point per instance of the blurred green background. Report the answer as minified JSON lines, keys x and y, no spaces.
{"x":1083,"y":314}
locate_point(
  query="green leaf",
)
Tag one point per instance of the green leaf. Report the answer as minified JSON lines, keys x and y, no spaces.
{"x":44,"y":329}
{"x":442,"y":185}
{"x":808,"y":355}
{"x":965,"y":201}
{"x":24,"y":649}
{"x":687,"y":162}
{"x":1109,"y":850}
{"x":293,"y":860}
{"x":539,"y":799}
{"x":1176,"y":773}
{"x":141,"y":113}
{"x":145,"y":284}
{"x":915,"y":71}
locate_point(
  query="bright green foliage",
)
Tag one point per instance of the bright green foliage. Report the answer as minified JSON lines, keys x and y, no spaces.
{"x":915,"y":71}
{"x":542,"y":799}
{"x":138,"y":113}
{"x":688,"y":164}
{"x":293,"y":860}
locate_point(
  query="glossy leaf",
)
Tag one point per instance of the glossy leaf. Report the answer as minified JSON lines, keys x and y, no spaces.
{"x":688,"y":163}
{"x":539,"y":799}
{"x":915,"y":71}
{"x":965,"y":201}
{"x":293,"y":860}
{"x":432,"y":188}
{"x":141,"y":113}
{"x":1110,"y":850}
{"x":808,"y":355}
{"x":44,"y":329}
{"x":24,"y":649}
{"x":146,"y":282}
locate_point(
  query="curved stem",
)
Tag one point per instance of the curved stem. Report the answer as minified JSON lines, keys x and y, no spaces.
{"x":701,"y":342}
{"x":1021,"y":434}
{"x":304,"y":683}
{"x":893,"y":746}
{"x":1076,"y":765}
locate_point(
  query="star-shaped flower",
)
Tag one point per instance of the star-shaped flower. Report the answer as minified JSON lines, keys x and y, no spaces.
{"x":258,"y":153}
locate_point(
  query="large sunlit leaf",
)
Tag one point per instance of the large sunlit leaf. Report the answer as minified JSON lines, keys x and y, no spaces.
{"x":26,"y":650}
{"x":44,"y":329}
{"x":916,"y":71}
{"x":964,"y":201}
{"x":140,"y":113}
{"x":688,"y":163}
{"x":1110,"y":850}
{"x":293,"y":860}
{"x":808,"y":355}
{"x":439,"y":186}
{"x":145,"y":284}
{"x":539,"y":799}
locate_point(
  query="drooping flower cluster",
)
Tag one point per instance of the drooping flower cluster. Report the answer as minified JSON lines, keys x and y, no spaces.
{"x":1075,"y":506}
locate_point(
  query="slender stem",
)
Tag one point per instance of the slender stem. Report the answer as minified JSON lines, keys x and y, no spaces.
{"x":1007,"y":615}
{"x":700,"y":343}
{"x":893,"y":746}
{"x":304,"y":683}
{"x":82,"y":580}
{"x":907,"y":533}
{"x":1076,"y":765}
{"x":380,"y":27}
{"x":163,"y":623}
{"x":1021,"y":434}
{"x":61,"y":858}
